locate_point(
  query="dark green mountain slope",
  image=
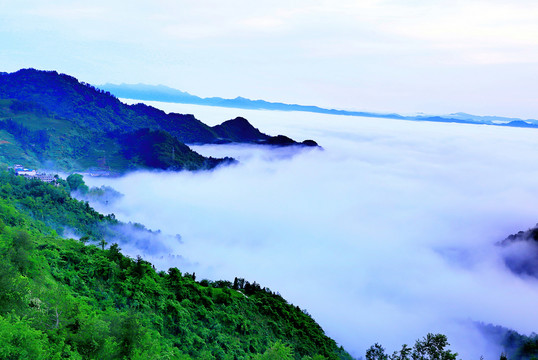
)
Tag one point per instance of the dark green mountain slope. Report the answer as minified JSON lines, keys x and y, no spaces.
{"x":159,"y":150}
{"x":185,"y":127}
{"x":40,"y":139}
{"x":66,"y":97}
{"x":59,"y":96}
{"x":60,"y":298}
{"x":52,"y":119}
{"x":81,"y":103}
{"x":239,"y":130}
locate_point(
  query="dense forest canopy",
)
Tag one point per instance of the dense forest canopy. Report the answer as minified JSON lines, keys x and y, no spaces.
{"x":66,"y":298}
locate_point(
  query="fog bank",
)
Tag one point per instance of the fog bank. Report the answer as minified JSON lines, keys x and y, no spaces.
{"x":386,"y":234}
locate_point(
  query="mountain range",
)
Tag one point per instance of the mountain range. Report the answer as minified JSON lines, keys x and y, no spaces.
{"x":52,"y":120}
{"x":167,"y":94}
{"x":66,"y":298}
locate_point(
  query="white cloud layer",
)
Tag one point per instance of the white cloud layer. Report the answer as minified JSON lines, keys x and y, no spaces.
{"x":385,"y":235}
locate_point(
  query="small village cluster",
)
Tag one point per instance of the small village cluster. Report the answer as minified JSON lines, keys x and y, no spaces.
{"x":33,"y":174}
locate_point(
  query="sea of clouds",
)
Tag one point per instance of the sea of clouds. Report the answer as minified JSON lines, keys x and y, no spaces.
{"x":387,"y":233}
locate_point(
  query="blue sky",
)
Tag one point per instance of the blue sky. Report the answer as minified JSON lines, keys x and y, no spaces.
{"x":434,"y":56}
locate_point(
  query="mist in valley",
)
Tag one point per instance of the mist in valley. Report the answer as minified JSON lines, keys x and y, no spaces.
{"x":388,"y":232}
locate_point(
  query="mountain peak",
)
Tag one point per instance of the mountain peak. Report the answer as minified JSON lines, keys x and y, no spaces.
{"x":239,"y":130}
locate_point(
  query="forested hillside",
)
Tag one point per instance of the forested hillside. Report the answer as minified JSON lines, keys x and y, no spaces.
{"x":80,"y":299}
{"x":52,"y":120}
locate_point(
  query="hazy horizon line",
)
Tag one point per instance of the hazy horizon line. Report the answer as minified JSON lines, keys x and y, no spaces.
{"x":163,"y":93}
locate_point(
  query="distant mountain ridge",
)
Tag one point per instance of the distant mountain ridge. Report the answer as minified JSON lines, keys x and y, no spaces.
{"x":167,"y":94}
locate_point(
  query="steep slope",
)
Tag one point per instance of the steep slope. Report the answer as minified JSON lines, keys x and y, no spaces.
{"x":185,"y":127}
{"x":49,"y":119}
{"x":159,"y":150}
{"x":66,"y":97}
{"x":40,"y":139}
{"x":61,"y":298}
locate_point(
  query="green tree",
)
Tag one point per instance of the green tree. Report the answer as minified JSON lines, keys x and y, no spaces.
{"x":376,"y":352}
{"x":20,"y":251}
{"x":18,"y":340}
{"x":403,"y":354}
{"x":11,"y":289}
{"x":76,"y":183}
{"x":432,"y":347}
{"x":103,"y":243}
{"x":277,"y":351}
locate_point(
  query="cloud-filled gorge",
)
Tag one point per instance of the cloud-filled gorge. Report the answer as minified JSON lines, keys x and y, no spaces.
{"x":386,"y":234}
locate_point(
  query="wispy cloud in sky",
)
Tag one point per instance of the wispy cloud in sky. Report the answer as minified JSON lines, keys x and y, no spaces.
{"x":386,"y":234}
